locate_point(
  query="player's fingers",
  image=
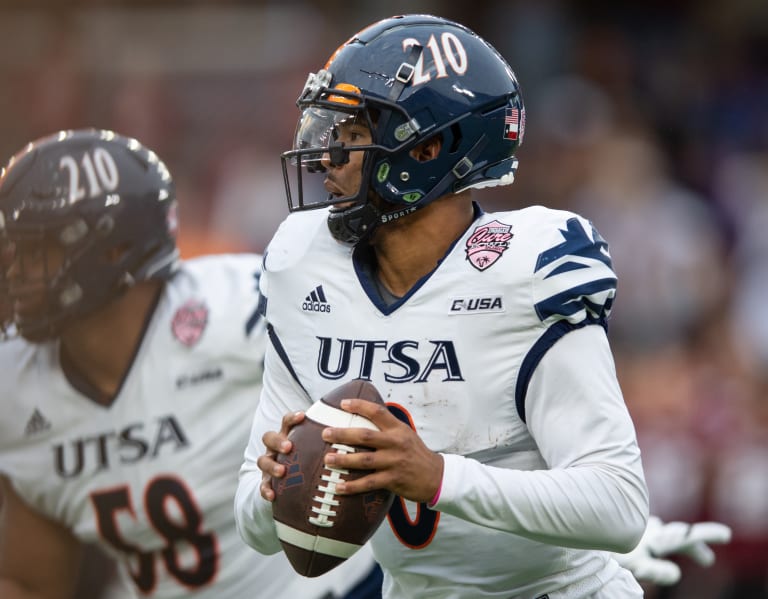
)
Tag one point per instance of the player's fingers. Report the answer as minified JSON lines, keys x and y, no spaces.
{"x":269,"y":466}
{"x":360,"y":437}
{"x":702,"y":554}
{"x":265,"y":488}
{"x":710,"y":532}
{"x":290,"y":420}
{"x":377,"y":413}
{"x":661,"y":572}
{"x":364,"y":484}
{"x":276,"y":442}
{"x":355,"y":460}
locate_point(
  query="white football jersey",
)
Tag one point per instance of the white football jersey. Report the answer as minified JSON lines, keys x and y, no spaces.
{"x":152,"y":477}
{"x":499,"y":360}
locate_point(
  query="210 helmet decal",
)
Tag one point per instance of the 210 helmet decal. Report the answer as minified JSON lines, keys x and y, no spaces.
{"x":407,"y":79}
{"x":84,"y":215}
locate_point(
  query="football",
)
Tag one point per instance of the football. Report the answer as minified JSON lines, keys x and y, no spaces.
{"x":317,"y":528}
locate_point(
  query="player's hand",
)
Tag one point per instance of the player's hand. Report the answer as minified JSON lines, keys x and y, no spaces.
{"x":276,"y":443}
{"x":668,"y":539}
{"x":401,"y":462}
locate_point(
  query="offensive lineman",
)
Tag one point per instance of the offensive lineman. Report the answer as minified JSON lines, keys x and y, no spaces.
{"x":506,"y":436}
{"x":127,"y":393}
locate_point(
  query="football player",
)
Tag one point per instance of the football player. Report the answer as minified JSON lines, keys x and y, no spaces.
{"x":506,"y":439}
{"x":129,"y":381}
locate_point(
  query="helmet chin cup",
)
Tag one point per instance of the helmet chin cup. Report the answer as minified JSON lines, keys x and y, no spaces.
{"x":353,"y":224}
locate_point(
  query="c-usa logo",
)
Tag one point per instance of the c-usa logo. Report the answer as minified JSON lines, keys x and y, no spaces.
{"x":473,"y":305}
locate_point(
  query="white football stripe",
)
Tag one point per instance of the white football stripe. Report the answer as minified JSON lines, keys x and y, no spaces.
{"x":327,"y":415}
{"x":315,"y":543}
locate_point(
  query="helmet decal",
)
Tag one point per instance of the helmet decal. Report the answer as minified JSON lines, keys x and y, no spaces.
{"x":511,"y":123}
{"x":449,"y":57}
{"x":346,"y":99}
{"x":94,"y":174}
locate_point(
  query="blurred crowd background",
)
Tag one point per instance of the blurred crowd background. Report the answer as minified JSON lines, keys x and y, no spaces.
{"x":649,"y":118}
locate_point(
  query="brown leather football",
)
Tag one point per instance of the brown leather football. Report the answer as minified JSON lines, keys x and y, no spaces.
{"x":317,"y":528}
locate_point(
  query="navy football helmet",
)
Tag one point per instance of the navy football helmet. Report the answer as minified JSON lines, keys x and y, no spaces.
{"x":103,"y":205}
{"x":409,"y":79}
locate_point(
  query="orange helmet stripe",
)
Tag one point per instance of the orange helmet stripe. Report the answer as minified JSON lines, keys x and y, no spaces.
{"x":346,"y":87}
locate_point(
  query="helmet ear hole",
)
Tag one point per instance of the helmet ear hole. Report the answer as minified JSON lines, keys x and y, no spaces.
{"x":116,"y":253}
{"x":428,"y":149}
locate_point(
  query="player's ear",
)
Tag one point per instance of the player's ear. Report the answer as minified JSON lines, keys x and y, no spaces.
{"x":428,"y":149}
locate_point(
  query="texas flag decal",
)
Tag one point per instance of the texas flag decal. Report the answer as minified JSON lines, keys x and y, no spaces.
{"x":511,"y":123}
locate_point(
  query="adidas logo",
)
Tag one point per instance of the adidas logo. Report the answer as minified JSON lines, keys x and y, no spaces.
{"x":315,"y":301}
{"x":37,"y":423}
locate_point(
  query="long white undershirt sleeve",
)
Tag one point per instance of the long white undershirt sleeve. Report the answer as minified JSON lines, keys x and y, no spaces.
{"x":593,"y":494}
{"x":253,"y":514}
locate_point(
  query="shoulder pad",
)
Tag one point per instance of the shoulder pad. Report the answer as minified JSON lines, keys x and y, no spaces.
{"x":573,"y":277}
{"x":294,"y":237}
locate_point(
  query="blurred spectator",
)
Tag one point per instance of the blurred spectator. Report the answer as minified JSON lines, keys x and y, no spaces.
{"x":248,"y":195}
{"x":741,"y":188}
{"x":666,"y":245}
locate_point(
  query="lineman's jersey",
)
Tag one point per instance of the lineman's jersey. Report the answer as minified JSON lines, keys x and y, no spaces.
{"x":151,"y":478}
{"x":499,"y":361}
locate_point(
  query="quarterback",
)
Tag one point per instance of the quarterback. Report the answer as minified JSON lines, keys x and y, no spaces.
{"x":129,"y":380}
{"x":506,"y":435}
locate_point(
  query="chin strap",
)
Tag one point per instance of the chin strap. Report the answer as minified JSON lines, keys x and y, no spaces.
{"x":352,"y":225}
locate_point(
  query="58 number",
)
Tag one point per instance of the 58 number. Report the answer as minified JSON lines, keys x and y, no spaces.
{"x":157,"y":495}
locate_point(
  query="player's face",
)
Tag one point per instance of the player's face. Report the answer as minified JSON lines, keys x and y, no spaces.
{"x":343,"y":178}
{"x":28,"y":266}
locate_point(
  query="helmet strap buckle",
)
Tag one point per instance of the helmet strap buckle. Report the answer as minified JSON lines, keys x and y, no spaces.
{"x":462,"y":168}
{"x":405,"y":72}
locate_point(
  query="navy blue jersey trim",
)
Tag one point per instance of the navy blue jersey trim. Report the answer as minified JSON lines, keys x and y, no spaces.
{"x":259,"y":311}
{"x":534,"y":356}
{"x":576,"y":243}
{"x":569,"y":301}
{"x":364,"y":261}
{"x":275,"y":340}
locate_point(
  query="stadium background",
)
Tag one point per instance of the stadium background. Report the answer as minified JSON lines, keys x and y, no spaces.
{"x":650,"y":118}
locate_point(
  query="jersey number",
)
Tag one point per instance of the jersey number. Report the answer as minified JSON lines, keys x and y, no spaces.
{"x":415,"y":533}
{"x":182,"y":529}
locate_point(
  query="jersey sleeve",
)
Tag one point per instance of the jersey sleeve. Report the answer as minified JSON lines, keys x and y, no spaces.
{"x":280,"y":395}
{"x":229,"y":285}
{"x":573,"y":278}
{"x":573,"y":284}
{"x":593,"y":494}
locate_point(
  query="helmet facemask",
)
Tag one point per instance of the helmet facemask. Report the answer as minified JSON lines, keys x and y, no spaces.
{"x":36,"y":279}
{"x":52,"y":275}
{"x":327,"y":135}
{"x":334,"y":129}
